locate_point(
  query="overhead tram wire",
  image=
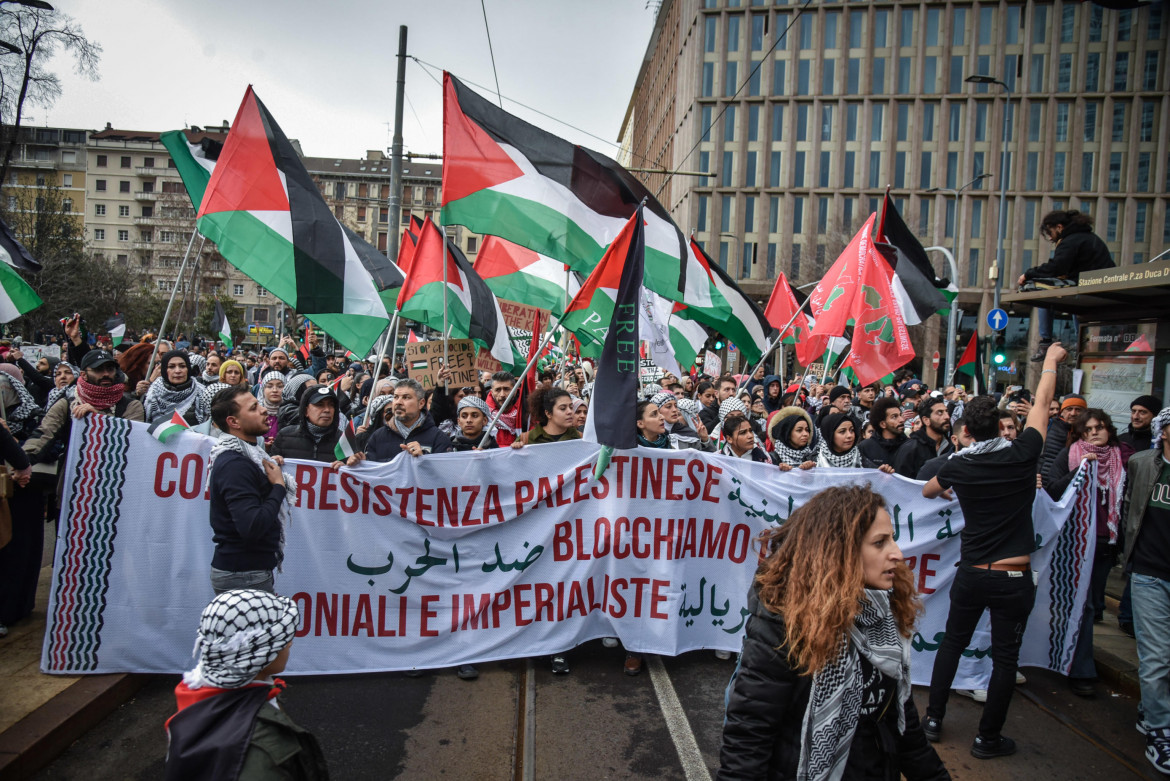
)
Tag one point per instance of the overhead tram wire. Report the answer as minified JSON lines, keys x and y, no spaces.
{"x":744,"y":83}
{"x":492,"y":52}
{"x":426,"y":66}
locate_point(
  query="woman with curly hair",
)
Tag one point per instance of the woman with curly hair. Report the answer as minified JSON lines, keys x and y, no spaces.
{"x":822,"y":690}
{"x":552,"y":418}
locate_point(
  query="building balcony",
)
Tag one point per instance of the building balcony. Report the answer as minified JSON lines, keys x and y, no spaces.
{"x":149,"y":221}
{"x":144,"y":171}
{"x":143,"y":196}
{"x":144,"y":245}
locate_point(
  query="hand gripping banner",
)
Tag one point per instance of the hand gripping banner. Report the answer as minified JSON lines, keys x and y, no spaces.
{"x":470,"y":557}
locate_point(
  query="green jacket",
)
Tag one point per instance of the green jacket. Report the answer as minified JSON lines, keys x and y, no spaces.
{"x":538,"y":436}
{"x":1144,"y":468}
{"x":279,"y":749}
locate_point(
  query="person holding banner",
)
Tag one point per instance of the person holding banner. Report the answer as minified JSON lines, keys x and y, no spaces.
{"x":251,"y":498}
{"x":887,"y":437}
{"x":471,"y":415}
{"x":552,"y":415}
{"x":681,"y":435}
{"x":411,"y":429}
{"x":837,"y":446}
{"x":175,"y":391}
{"x":822,"y":689}
{"x":270,"y":397}
{"x":508,"y":425}
{"x":794,"y":439}
{"x":995,"y":481}
{"x":315,"y":435}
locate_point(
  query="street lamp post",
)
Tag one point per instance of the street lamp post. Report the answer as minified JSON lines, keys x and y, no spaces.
{"x":953,"y":318}
{"x":979,"y":79}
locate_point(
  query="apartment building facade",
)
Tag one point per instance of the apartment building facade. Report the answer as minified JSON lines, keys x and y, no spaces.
{"x":803,"y":117}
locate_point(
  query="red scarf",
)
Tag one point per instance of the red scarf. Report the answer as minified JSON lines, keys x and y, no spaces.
{"x":100,"y":397}
{"x":508,"y":424}
{"x":1110,"y":479}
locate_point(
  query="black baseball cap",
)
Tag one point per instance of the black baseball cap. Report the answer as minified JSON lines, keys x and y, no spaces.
{"x":97,"y":358}
{"x":320,"y":394}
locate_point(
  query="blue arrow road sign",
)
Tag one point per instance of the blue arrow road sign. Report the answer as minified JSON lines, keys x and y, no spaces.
{"x":997,"y":319}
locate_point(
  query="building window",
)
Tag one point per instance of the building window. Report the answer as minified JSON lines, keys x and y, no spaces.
{"x":853,"y":76}
{"x":750,"y":173}
{"x":828,"y":77}
{"x":67,"y":205}
{"x":729,"y":124}
{"x":749,"y":257}
{"x":260,"y":314}
{"x":361,"y":214}
{"x":1062,"y":121}
{"x":802,"y":121}
{"x":147,"y":211}
{"x":704,"y":205}
{"x":125,"y":161}
{"x":1064,"y":73}
{"x":1115,"y":163}
{"x":472,"y":245}
{"x":730,"y":79}
{"x":924,"y":174}
{"x":803,"y":71}
{"x":710,"y":33}
{"x":778,"y":75}
{"x":1150,"y":73}
{"x":875,"y":169}
{"x":66,"y":180}
{"x":798,"y":170}
{"x":1119,"y":121}
{"x":101,"y":161}
{"x":1031,"y":170}
{"x":384,"y":215}
{"x":798,"y":214}
{"x":99,"y":185}
{"x":881,"y":23}
{"x":99,"y":234}
{"x":124,"y":211}
{"x":774,"y":170}
{"x":725,"y":202}
{"x":123,"y":235}
{"x":753,"y":122}
{"x":1143,"y":173}
{"x":1090,"y":114}
{"x":727,"y":175}
{"x":825,"y":168}
{"x":708,"y":79}
{"x":1139,"y":222}
{"x":705,"y":124}
{"x":165,"y":285}
{"x":99,"y":210}
{"x":1112,"y":215}
{"x":1146,"y":131}
{"x":876,"y":114}
{"x":237,"y":290}
{"x":1121,"y":72}
{"x":773,"y":214}
{"x":850,"y":165}
{"x":261,"y":292}
{"x":733,"y":33}
{"x":123,"y":187}
{"x":1087,"y":171}
{"x":1058,"y":165}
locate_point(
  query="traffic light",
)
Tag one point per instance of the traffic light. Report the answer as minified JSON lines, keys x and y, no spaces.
{"x":718,"y":344}
{"x":998,"y":355}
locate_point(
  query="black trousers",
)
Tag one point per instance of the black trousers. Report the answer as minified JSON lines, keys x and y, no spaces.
{"x":1009,"y":596}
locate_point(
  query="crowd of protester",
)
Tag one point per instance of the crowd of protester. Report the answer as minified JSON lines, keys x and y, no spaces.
{"x":298,"y":401}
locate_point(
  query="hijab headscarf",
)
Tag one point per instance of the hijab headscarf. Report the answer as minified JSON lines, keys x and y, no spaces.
{"x":164,"y":398}
{"x":780,"y":427}
{"x":293,"y":386}
{"x":827,"y":454}
{"x":237,"y":365}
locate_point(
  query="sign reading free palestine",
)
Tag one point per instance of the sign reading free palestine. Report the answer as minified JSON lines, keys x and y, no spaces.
{"x":458,"y":558}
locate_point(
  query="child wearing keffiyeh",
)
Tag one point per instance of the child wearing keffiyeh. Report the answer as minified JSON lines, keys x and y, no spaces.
{"x":228,"y":724}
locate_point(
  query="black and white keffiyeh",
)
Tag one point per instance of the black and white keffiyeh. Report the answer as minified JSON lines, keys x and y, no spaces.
{"x":730,"y":405}
{"x":292,"y":385}
{"x":163,"y":398}
{"x":255,"y":453}
{"x":661,"y":398}
{"x":1158,"y":426}
{"x":473,"y":402}
{"x":986,"y":446}
{"x":851,"y":459}
{"x":26,"y":406}
{"x":690,"y":412}
{"x":838,"y":688}
{"x":240,"y":633}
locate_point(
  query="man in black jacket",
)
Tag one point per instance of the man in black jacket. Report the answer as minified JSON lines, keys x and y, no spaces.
{"x":1076,"y":249}
{"x":930,"y":441}
{"x":248,"y":496}
{"x":314,"y":437}
{"x":410,"y":430}
{"x":886,"y":418}
{"x":1141,"y":414}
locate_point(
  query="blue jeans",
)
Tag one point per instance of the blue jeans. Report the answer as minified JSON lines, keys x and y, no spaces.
{"x":1009,"y":596}
{"x":261,"y":580}
{"x":1151,"y":623}
{"x":1082,"y":662}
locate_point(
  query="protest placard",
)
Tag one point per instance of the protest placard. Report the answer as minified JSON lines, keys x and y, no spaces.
{"x":425,"y":359}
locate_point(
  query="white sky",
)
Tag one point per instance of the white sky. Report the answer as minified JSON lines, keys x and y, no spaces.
{"x":326,"y":70}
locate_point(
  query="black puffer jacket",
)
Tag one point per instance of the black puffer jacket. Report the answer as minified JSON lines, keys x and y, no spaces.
{"x":1079,"y":250}
{"x":295,"y":441}
{"x":766,"y":702}
{"x":880,"y":451}
{"x":1054,"y":441}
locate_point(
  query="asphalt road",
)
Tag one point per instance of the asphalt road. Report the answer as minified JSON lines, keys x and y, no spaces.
{"x":518,"y":721}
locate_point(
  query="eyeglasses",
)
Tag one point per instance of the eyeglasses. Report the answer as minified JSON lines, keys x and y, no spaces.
{"x":468,"y":390}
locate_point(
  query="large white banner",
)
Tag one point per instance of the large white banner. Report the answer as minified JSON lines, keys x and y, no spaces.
{"x":470,"y":557}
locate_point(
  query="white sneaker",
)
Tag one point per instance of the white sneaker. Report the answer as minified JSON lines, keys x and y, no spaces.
{"x":724,"y":655}
{"x":610,"y":642}
{"x":1020,"y":679}
{"x":979,"y":695}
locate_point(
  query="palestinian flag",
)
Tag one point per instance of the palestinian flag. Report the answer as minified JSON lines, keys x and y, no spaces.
{"x":518,"y":274}
{"x":745,"y":324}
{"x":880,"y":342}
{"x":835,"y":347}
{"x":611,"y":424}
{"x":165,"y":428}
{"x":14,"y":253}
{"x":920,"y":292}
{"x":222,"y":327}
{"x":345,"y":443}
{"x":264,"y":211}
{"x":781,"y":310}
{"x":16,"y":296}
{"x":590,"y":314}
{"x":116,"y":328}
{"x":411,"y":336}
{"x":971,"y":363}
{"x":473,"y":311}
{"x":654,"y":327}
{"x":833,"y":298}
{"x":687,"y":337}
{"x":505,"y":177}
